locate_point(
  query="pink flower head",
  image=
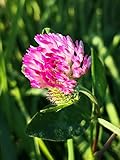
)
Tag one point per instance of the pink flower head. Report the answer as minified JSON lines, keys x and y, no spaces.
{"x":55,"y":63}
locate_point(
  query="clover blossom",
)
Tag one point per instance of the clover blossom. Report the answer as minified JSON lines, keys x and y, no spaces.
{"x":56,"y":62}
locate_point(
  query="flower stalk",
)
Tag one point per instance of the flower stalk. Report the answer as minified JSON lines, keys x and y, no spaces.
{"x":70,"y":149}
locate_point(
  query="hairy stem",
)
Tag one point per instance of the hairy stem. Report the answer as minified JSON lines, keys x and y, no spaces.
{"x":98,"y":155}
{"x":95,"y":141}
{"x":95,"y":112}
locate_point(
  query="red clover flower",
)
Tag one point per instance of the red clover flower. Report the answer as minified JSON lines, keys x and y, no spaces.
{"x":55,"y":63}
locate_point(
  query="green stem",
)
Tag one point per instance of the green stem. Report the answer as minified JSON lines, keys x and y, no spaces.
{"x":37,"y":149}
{"x":70,"y":149}
{"x":44,"y":149}
{"x":95,"y":112}
{"x":95,"y":141}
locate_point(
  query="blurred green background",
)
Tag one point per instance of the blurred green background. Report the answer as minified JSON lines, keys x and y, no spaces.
{"x":96,"y":22}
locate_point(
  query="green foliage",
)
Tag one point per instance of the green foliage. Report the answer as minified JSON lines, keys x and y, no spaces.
{"x":98,"y":76}
{"x":87,"y":93}
{"x":61,"y":125}
{"x":109,"y":126}
{"x":96,"y":23}
{"x":6,"y":142}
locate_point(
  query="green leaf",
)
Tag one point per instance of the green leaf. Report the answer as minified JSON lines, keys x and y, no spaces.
{"x":109,"y":126}
{"x":60,"y":125}
{"x":98,"y":77}
{"x":51,"y":108}
{"x":46,"y":30}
